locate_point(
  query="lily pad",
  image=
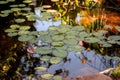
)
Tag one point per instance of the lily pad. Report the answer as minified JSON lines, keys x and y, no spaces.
{"x":23,"y":32}
{"x":57,"y":44}
{"x":19,"y":20}
{"x":47,"y":76}
{"x":6,"y":11}
{"x":15,"y":9}
{"x":83,"y":34}
{"x":14,"y":6}
{"x":76,"y":48}
{"x":12,"y":34}
{"x":43,"y":50}
{"x":25,"y":38}
{"x":10,"y":0}
{"x":60,"y":53}
{"x":21,"y":5}
{"x":118,"y":28}
{"x":55,"y":60}
{"x":43,"y":33}
{"x":32,"y":17}
{"x":53,"y":28}
{"x":57,"y":77}
{"x":10,"y":30}
{"x":57,"y":37}
{"x":27,"y":1}
{"x":70,"y":37}
{"x":3,"y":2}
{"x":70,"y":41}
{"x":107,"y":45}
{"x":14,"y":26}
{"x":92,"y":40}
{"x":45,"y":58}
{"x":61,"y":47}
{"x":54,"y":0}
{"x":40,"y":69}
{"x":114,"y":37}
{"x":24,"y":28}
{"x":46,"y":6}
{"x":78,"y":28}
{"x":108,"y":27}
{"x":26,"y":9}
{"x":45,"y":38}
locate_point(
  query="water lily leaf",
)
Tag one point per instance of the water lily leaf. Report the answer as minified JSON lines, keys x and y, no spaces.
{"x":25,"y":38}
{"x":102,"y":31}
{"x":4,"y":15}
{"x":76,"y":48}
{"x":57,"y":77}
{"x":14,"y":6}
{"x":10,"y":30}
{"x":43,"y":50}
{"x":27,"y":1}
{"x":57,"y":44}
{"x":52,"y":28}
{"x":47,"y":76}
{"x":60,"y":53}
{"x":118,"y":42}
{"x":10,"y":0}
{"x":14,"y":26}
{"x":33,"y":33}
{"x":111,"y":42}
{"x":19,"y":20}
{"x":26,"y":9}
{"x":21,"y":5}
{"x":12,"y":34}
{"x":57,"y":37}
{"x":70,"y":41}
{"x":92,"y":40}
{"x":6,"y":11}
{"x":62,"y":29}
{"x":84,"y":34}
{"x":107,"y":57}
{"x":71,"y":32}
{"x":70,"y":37}
{"x":24,"y":28}
{"x":45,"y":38}
{"x":23,"y":32}
{"x":61,"y":47}
{"x":114,"y":37}
{"x":40,"y":69}
{"x":32,"y":17}
{"x":34,"y":40}
{"x":55,"y":1}
{"x":51,"y":10}
{"x":46,"y":6}
{"x":45,"y":58}
{"x":108,"y":27}
{"x":55,"y":60}
{"x":118,"y":28}
{"x":107,"y":45}
{"x":3,"y":2}
{"x":15,"y":9}
{"x":43,"y":33}
{"x":78,"y":28}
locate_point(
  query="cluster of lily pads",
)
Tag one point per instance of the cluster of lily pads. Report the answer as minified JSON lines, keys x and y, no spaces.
{"x":60,"y":40}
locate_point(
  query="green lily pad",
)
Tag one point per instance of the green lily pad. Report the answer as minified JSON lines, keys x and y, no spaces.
{"x":47,"y":76}
{"x":27,"y":1}
{"x":84,"y":34}
{"x":6,"y":11}
{"x":107,"y":45}
{"x":108,"y":27}
{"x":14,"y":6}
{"x":25,"y":38}
{"x":43,"y":33}
{"x":57,"y":77}
{"x":15,"y":9}
{"x":33,"y":33}
{"x":57,"y":37}
{"x":55,"y":60}
{"x":24,"y":28}
{"x":92,"y":40}
{"x":19,"y":20}
{"x":10,"y":30}
{"x":45,"y":38}
{"x":14,"y":26}
{"x":61,"y":47}
{"x":70,"y":41}
{"x":26,"y":9}
{"x":21,"y":5}
{"x":114,"y":37}
{"x":118,"y":42}
{"x":71,"y":32}
{"x":52,"y":28}
{"x":43,"y":50}
{"x":112,"y":42}
{"x":23,"y":32}
{"x":10,"y":0}
{"x":32,"y":17}
{"x":62,"y":29}
{"x":78,"y":28}
{"x":12,"y":34}
{"x":45,"y":58}
{"x":4,"y":15}
{"x":57,"y":44}
{"x":76,"y":48}
{"x":118,"y":28}
{"x":54,"y":0}
{"x":60,"y":53}
{"x":40,"y":69}
{"x":46,"y":6}
{"x":3,"y":2}
{"x":70,"y":37}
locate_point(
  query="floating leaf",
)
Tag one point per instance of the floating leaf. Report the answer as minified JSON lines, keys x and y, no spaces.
{"x":10,"y":0}
{"x":78,"y":28}
{"x":60,"y":53}
{"x":71,"y":32}
{"x":107,"y":27}
{"x":46,"y":6}
{"x":111,"y":42}
{"x":23,"y":32}
{"x":45,"y":38}
{"x":57,"y":44}
{"x":114,"y":37}
{"x":12,"y":34}
{"x":57,"y":77}
{"x":40,"y":69}
{"x":14,"y":26}
{"x":27,"y":1}
{"x":10,"y":30}
{"x":3,"y":2}
{"x":118,"y":28}
{"x":76,"y":48}
{"x":24,"y":28}
{"x":52,"y":28}
{"x":21,"y":5}
{"x":55,"y":60}
{"x":25,"y":38}
{"x":47,"y":76}
{"x":32,"y":17}
{"x":70,"y":42}
{"x":26,"y":9}
{"x":84,"y":34}
{"x":43,"y":33}
{"x":92,"y":40}
{"x":14,"y":6}
{"x":61,"y":47}
{"x":15,"y":9}
{"x":19,"y":20}
{"x":58,"y":37}
{"x":54,"y":0}
{"x":4,"y":15}
{"x":43,"y":50}
{"x":45,"y":58}
{"x":51,"y":10}
{"x":107,"y":45}
{"x":70,"y":37}
{"x":6,"y":11}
